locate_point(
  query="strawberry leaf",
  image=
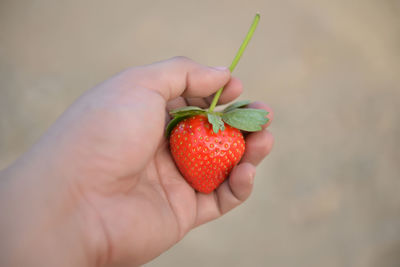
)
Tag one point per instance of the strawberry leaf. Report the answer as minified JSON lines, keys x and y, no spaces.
{"x":216,"y":122}
{"x":239,"y":104}
{"x":247,"y":119}
{"x":186,"y":111}
{"x":172,"y":123}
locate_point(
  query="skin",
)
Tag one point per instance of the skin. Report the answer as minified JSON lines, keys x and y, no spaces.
{"x":100,"y":187}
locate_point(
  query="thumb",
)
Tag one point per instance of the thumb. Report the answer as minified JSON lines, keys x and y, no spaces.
{"x":180,"y":76}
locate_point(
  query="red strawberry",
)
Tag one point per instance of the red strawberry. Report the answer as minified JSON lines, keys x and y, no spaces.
{"x":205,"y":158}
{"x":207,"y":144}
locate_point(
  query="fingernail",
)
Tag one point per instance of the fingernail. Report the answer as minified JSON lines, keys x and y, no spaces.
{"x":221,"y":68}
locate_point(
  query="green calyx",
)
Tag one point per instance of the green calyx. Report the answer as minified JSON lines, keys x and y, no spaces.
{"x":235,"y":115}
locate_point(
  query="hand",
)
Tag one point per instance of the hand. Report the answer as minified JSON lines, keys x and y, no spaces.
{"x":101,"y":188}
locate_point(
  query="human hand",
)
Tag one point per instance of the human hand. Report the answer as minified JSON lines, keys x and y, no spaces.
{"x":101,"y":187}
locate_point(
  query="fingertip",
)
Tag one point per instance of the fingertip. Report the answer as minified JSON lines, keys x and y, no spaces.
{"x":241,"y":180}
{"x":232,"y":90}
{"x":219,"y":72}
{"x":205,"y":81}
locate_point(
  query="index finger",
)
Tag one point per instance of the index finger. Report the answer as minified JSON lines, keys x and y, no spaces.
{"x":180,"y":76}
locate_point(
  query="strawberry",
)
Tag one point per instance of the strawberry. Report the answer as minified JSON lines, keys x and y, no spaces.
{"x":205,"y":158}
{"x":207,"y":144}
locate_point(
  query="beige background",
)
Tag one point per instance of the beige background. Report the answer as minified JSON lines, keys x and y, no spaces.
{"x":328,"y":195}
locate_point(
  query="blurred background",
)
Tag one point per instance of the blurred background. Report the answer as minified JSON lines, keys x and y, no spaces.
{"x":328,"y":195}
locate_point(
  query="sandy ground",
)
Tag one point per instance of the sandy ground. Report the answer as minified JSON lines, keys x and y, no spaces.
{"x":328,"y":195}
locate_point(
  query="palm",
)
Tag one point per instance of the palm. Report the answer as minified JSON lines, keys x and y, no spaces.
{"x":159,"y":202}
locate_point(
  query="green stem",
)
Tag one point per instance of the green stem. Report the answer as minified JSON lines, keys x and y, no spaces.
{"x":237,"y":58}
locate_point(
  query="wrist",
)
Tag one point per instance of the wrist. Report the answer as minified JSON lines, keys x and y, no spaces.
{"x":39,"y":224}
